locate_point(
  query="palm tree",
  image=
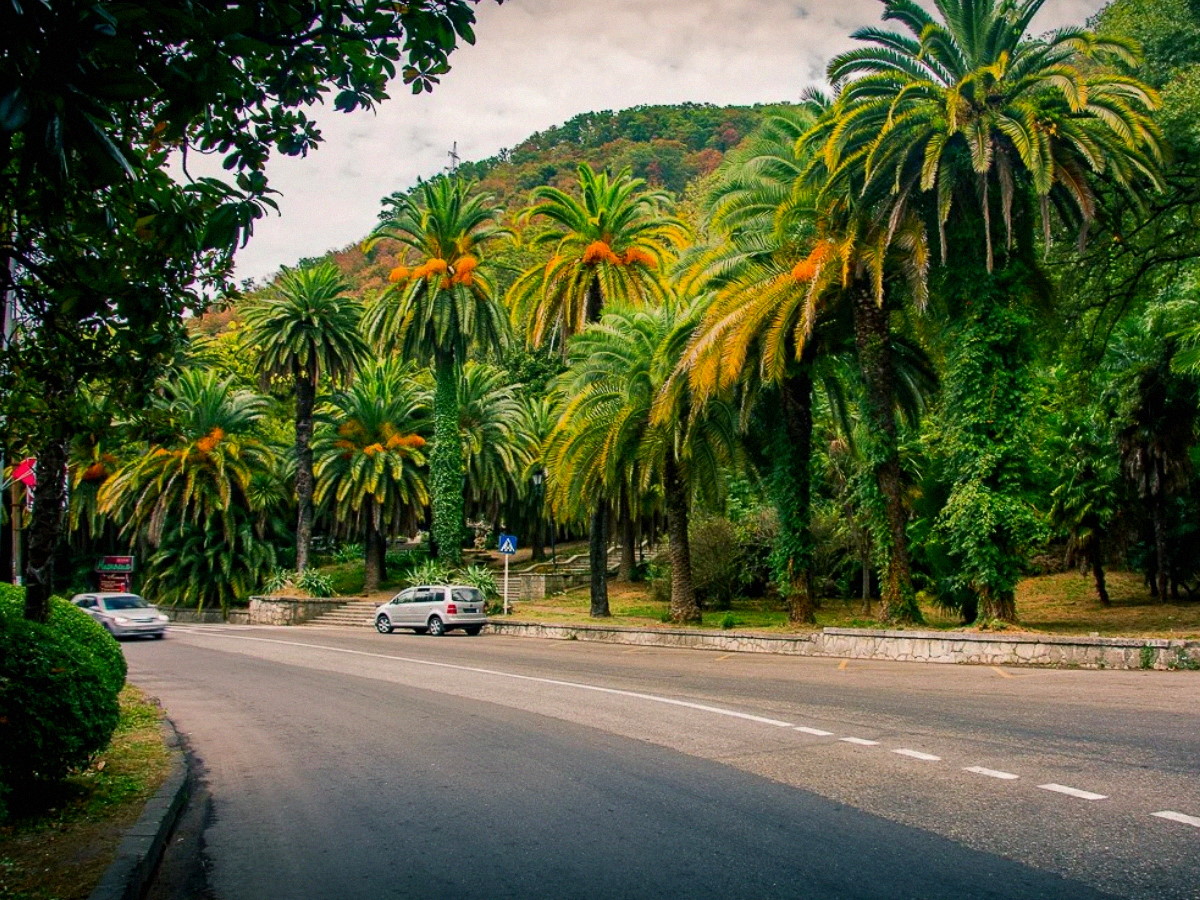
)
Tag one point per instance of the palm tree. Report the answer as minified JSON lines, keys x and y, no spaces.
{"x":305,"y":327}
{"x":610,"y":246}
{"x":972,"y":123}
{"x":606,"y":438}
{"x":207,"y":477}
{"x":438,"y":313}
{"x":497,"y":447}
{"x":370,"y":457}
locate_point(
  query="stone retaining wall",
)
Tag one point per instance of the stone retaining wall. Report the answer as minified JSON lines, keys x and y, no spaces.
{"x":902,"y":646}
{"x":540,"y":585}
{"x":262,"y":611}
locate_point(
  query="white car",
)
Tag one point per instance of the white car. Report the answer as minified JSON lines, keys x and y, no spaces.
{"x":434,"y":609}
{"x":123,"y":615}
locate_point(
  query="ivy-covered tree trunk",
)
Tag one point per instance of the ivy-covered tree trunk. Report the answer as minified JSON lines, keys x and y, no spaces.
{"x":987,"y":520}
{"x":306,"y":393}
{"x":791,"y":489}
{"x":598,"y":527}
{"x":872,"y":335}
{"x":446,"y":468}
{"x":684,"y":608}
{"x":598,"y":560}
{"x":46,"y":527}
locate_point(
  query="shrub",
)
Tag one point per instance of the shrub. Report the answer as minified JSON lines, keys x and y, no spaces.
{"x":93,"y":644}
{"x":429,"y":572}
{"x":480,"y":577}
{"x":717,"y":563}
{"x":311,"y":581}
{"x":58,"y":703}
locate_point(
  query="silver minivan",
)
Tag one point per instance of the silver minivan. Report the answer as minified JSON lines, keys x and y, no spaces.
{"x":434,"y":609}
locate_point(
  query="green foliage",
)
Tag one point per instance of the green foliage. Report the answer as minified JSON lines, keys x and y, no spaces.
{"x":350,"y":552}
{"x":717,"y":563}
{"x":58,"y":694}
{"x":433,"y":571}
{"x":480,"y":577}
{"x":310,"y":581}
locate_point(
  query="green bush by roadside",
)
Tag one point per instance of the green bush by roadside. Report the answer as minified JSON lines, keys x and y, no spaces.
{"x":58,"y":693}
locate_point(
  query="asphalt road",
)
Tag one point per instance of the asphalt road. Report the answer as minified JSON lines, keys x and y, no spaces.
{"x":347,"y":764}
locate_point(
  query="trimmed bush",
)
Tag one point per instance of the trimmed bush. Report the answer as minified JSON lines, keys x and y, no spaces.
{"x":58,"y":693}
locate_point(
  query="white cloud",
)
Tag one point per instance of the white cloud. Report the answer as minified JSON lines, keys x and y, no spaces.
{"x":536,"y":64}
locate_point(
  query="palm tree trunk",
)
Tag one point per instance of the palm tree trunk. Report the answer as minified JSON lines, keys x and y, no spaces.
{"x":373,"y":568}
{"x":306,"y":392}
{"x":871,"y":337}
{"x":792,"y":489}
{"x":1096,"y":558}
{"x":684,"y":608}
{"x":628,"y":563}
{"x":446,"y":468}
{"x":598,"y":560}
{"x":46,"y":527}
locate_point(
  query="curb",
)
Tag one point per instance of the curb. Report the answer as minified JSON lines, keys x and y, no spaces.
{"x":942,"y":647}
{"x":141,"y":849}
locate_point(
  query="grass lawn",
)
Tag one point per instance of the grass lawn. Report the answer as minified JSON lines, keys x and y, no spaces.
{"x":62,"y":849}
{"x":1057,"y":604}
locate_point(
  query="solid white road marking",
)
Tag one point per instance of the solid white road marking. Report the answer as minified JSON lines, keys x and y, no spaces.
{"x":653,"y":698}
{"x":1194,"y":821}
{"x":862,"y":742}
{"x":1072,"y":792}
{"x":992,"y":773}
{"x":917,"y":754}
{"x":817,"y":731}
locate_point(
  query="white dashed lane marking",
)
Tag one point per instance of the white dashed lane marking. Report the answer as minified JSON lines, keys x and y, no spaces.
{"x":992,"y":773}
{"x":1072,"y":792}
{"x":1194,"y":821}
{"x":917,"y":754}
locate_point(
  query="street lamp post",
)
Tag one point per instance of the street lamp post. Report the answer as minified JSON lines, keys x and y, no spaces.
{"x":539,"y":487}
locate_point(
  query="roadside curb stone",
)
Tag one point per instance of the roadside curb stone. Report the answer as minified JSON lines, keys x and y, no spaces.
{"x":896,"y":645}
{"x":142,"y":847}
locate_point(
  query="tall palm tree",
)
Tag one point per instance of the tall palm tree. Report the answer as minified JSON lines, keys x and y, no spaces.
{"x":207,"y":484}
{"x":978,"y":126}
{"x":370,"y":457}
{"x":497,"y":447}
{"x":305,"y":327}
{"x":609,"y":246}
{"x":606,"y":437}
{"x":438,"y":313}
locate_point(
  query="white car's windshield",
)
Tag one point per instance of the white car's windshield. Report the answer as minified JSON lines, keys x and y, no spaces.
{"x":126,"y":602}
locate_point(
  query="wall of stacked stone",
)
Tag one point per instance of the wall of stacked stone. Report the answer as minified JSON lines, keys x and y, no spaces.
{"x":289,"y":610}
{"x":540,"y":585}
{"x":900,"y":646}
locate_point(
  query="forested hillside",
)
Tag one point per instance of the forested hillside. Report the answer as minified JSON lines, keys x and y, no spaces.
{"x":668,"y":146}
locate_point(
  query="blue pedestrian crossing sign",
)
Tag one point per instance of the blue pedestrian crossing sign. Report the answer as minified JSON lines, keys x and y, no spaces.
{"x":508,"y":543}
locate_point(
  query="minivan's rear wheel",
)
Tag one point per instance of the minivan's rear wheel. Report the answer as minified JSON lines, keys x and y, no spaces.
{"x":383,"y":625}
{"x":473,"y":629}
{"x":436,"y":627}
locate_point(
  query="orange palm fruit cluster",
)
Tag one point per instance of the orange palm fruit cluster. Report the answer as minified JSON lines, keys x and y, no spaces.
{"x":400,"y":273}
{"x":464,"y":270}
{"x":807,"y":268}
{"x":598,"y":251}
{"x":207,"y":443}
{"x":638,"y":255}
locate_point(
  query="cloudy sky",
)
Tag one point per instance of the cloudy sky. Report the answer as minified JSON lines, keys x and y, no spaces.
{"x":536,"y":64}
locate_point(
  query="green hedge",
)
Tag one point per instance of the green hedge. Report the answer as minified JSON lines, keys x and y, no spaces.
{"x":58,"y":692}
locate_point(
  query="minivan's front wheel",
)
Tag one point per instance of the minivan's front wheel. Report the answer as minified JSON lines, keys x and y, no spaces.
{"x":383,"y":625}
{"x":436,"y":627}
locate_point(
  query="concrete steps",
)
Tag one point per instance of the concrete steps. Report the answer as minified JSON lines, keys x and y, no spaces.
{"x":352,"y":614}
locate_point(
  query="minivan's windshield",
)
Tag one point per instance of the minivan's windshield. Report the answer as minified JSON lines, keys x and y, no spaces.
{"x":468,"y":595}
{"x":128,"y":601}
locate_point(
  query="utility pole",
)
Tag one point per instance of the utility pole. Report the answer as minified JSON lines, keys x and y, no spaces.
{"x":454,"y":158}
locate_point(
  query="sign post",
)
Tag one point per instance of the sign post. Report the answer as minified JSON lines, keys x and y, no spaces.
{"x":508,"y":546}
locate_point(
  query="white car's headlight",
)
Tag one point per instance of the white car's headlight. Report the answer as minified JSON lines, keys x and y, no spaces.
{"x":120,"y":620}
{"x":163,"y":618}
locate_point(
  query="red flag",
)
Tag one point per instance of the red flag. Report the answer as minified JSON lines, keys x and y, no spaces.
{"x":24,"y":472}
